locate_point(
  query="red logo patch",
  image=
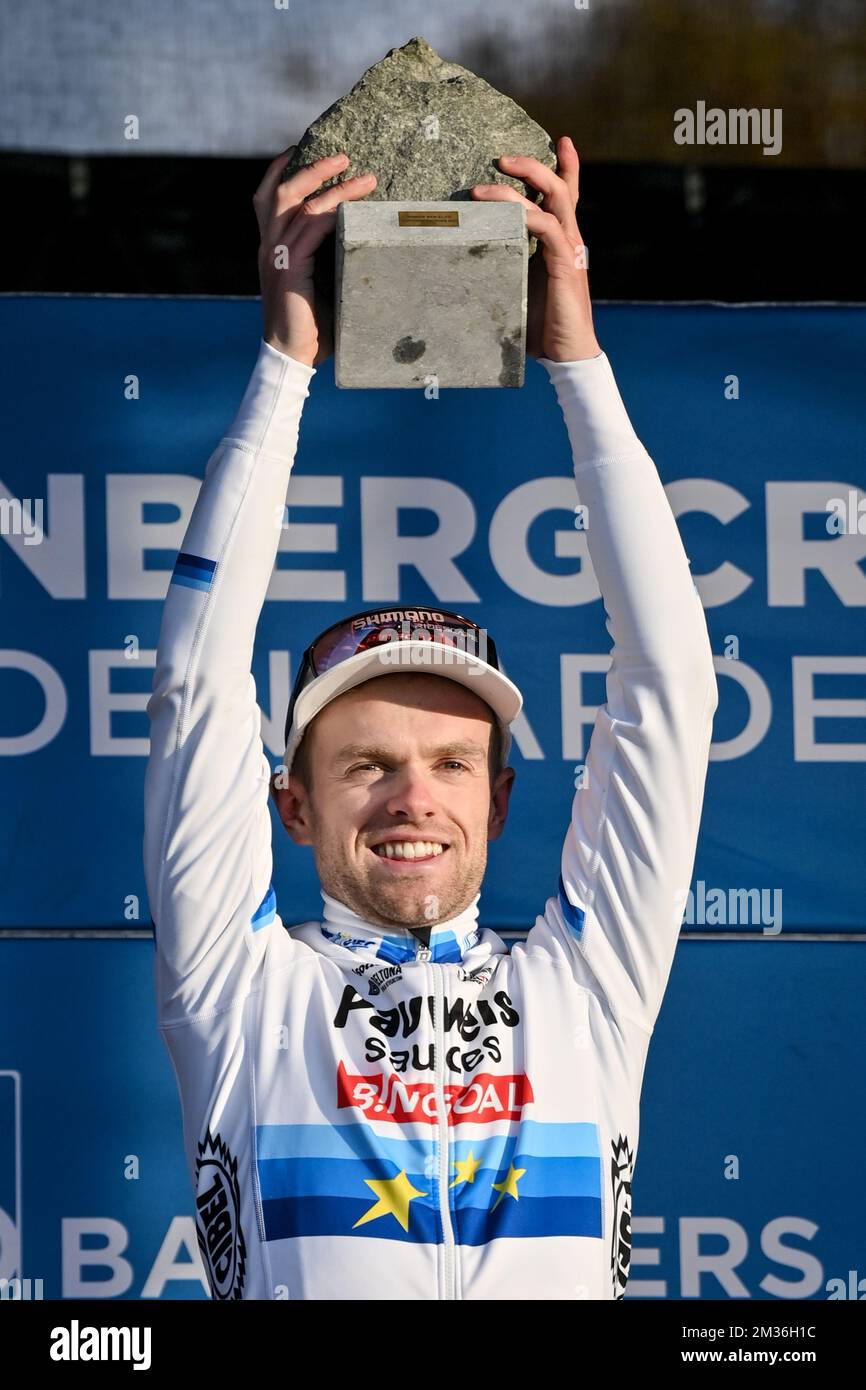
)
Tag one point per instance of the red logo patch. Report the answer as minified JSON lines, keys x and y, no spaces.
{"x":386,"y":1097}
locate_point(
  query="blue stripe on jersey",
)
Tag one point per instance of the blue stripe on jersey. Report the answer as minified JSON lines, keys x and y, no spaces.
{"x":266,"y":911}
{"x":353,"y":1140}
{"x":574,"y":916}
{"x":332,"y":1177}
{"x":401,"y":950}
{"x":338,"y":1177}
{"x":350,"y":1179}
{"x":358,"y":1139}
{"x":397,"y":950}
{"x":529,"y":1216}
{"x":193,"y":571}
{"x":288,"y":1218}
{"x":444,"y":948}
{"x":377,"y":1218}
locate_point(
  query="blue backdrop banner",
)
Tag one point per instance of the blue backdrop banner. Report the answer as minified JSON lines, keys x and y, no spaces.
{"x":754,"y":419}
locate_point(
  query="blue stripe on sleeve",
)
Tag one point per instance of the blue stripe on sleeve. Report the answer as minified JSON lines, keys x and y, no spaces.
{"x":193,"y":571}
{"x":574,"y":916}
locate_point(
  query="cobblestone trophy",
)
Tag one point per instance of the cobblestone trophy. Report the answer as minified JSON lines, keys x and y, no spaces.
{"x":428,"y":285}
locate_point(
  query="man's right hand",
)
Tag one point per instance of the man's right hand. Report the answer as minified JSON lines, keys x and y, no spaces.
{"x":291,"y":230}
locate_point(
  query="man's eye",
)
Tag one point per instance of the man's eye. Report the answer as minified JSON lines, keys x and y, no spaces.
{"x":449,"y":762}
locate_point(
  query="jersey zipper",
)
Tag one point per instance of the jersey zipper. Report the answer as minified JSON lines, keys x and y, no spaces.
{"x":450,"y":1253}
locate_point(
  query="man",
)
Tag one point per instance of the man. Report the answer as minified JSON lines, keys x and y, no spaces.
{"x":387,"y":1103}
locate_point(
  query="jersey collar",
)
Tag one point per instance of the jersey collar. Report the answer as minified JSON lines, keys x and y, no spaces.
{"x":450,"y":941}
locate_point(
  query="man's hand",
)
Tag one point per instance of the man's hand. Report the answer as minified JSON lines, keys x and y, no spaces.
{"x":293,"y":226}
{"x":560,"y":312}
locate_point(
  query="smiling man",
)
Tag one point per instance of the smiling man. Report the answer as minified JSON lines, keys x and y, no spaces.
{"x":399,"y":824}
{"x":387,"y":1103}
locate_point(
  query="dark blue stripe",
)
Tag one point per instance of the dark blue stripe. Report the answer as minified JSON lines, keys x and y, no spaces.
{"x":334,"y":1178}
{"x":287,"y":1217}
{"x":543,"y":1178}
{"x":199,"y":562}
{"x":528,"y":1217}
{"x":574,"y":916}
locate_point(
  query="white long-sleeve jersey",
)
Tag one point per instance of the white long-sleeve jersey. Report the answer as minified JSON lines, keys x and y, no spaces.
{"x":366,"y":1118}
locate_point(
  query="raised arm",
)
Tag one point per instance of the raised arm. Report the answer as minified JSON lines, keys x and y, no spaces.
{"x":629,"y":849}
{"x":207,"y":841}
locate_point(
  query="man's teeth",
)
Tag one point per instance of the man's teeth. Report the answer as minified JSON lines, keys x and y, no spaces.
{"x":408,"y":849}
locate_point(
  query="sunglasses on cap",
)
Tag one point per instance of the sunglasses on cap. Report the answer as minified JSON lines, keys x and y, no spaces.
{"x":371,"y":629}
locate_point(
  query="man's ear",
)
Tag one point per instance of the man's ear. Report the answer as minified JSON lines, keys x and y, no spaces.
{"x":293,"y":806}
{"x":499,"y":802}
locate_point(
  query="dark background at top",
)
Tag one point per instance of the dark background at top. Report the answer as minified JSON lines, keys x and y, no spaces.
{"x":171,"y":225}
{"x":88,"y":212}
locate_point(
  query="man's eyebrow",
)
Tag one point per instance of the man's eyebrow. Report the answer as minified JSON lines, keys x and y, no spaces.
{"x":375,"y":754}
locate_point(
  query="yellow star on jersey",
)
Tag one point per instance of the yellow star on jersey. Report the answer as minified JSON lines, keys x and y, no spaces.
{"x":508,"y":1186}
{"x":466,"y":1169}
{"x":394,"y":1196}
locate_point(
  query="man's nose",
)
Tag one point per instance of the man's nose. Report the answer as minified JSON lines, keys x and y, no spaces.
{"x":411,"y":794}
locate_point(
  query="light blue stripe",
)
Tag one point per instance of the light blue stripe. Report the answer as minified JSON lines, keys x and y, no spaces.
{"x":359,"y":1140}
{"x":355,"y":1140}
{"x":558,"y":1140}
{"x":266,"y":911}
{"x":534,"y":1140}
{"x":189,"y":583}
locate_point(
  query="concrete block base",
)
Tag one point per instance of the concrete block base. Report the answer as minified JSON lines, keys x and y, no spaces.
{"x":430,"y":294}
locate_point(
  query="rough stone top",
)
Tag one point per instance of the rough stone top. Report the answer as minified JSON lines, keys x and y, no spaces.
{"x":428,"y":129}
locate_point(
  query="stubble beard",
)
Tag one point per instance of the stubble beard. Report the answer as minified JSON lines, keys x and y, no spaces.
{"x":401,"y":902}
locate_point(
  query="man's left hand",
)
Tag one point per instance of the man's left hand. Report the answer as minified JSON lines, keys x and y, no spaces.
{"x":559,"y":322}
